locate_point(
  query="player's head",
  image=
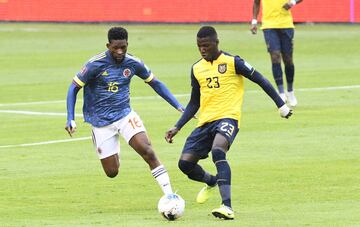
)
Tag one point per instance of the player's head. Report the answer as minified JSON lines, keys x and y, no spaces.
{"x":118,"y":43}
{"x":207,"y":42}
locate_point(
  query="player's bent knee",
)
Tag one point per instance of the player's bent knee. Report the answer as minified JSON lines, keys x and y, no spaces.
{"x":185,"y":166}
{"x":111,"y":172}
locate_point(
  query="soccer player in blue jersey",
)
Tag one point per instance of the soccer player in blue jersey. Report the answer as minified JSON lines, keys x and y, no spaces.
{"x":217,"y":91}
{"x":106,"y":78}
{"x":278,"y":28}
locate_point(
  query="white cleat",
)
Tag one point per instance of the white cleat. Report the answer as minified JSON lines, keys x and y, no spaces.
{"x":291,"y":98}
{"x":283,"y":97}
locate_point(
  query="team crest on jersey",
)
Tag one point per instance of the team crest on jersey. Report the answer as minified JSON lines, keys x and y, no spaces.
{"x":127,"y":72}
{"x":222,"y":68}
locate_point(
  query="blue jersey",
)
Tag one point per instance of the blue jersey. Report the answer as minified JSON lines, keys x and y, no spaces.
{"x":106,"y":87}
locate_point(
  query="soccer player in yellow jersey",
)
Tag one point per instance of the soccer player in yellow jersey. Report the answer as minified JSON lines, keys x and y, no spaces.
{"x":278,"y":28}
{"x":217,"y":91}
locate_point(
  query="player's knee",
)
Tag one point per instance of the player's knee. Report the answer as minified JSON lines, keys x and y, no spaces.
{"x":112,"y":172}
{"x":218,"y":154}
{"x":185,"y":166}
{"x":275,"y":57}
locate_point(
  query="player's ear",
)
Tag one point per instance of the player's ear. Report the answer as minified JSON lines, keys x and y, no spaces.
{"x":107,"y":45}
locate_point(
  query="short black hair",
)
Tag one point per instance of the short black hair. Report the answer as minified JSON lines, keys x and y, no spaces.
{"x":206,"y":31}
{"x":117,"y":33}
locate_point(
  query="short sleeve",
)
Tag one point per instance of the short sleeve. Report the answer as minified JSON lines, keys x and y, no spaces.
{"x":242,"y":67}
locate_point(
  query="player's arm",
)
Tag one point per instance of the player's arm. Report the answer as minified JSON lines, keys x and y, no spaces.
{"x":249,"y":72}
{"x":87,"y":73}
{"x":160,"y":88}
{"x":189,"y":112}
{"x":256,"y":9}
{"x":291,"y":3}
{"x":70,"y":105}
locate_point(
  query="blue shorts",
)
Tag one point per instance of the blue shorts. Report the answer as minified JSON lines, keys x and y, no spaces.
{"x":279,"y":40}
{"x":201,"y":139}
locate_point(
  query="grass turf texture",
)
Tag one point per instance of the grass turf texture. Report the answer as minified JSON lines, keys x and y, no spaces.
{"x":296,"y":172}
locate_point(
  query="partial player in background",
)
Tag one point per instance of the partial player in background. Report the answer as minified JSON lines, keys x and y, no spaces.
{"x":217,"y":90}
{"x":278,"y":28}
{"x":106,"y":79}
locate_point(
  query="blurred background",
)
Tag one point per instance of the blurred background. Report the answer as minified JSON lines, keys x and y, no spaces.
{"x":174,"y":11}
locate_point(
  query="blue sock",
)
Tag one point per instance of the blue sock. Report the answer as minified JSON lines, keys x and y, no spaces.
{"x":278,"y":76}
{"x":290,"y":72}
{"x":223,"y":175}
{"x":196,"y":173}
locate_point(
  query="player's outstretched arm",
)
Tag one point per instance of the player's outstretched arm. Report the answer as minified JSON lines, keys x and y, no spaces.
{"x":189,"y":112}
{"x":70,"y":126}
{"x":165,"y":93}
{"x":264,"y":83}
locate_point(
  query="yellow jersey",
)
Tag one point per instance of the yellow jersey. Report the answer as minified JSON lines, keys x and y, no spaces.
{"x":221,"y":87}
{"x":275,"y":16}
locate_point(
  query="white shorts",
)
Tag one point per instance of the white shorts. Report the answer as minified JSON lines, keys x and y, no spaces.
{"x":106,"y":139}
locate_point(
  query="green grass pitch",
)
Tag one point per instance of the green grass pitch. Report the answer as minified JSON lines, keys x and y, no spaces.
{"x":304,"y":171}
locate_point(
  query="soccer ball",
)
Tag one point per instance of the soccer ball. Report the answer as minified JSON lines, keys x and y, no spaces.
{"x":171,"y":206}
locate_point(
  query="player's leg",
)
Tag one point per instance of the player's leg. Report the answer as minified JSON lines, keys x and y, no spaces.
{"x":273,"y":46}
{"x":141,"y":144}
{"x":226,"y":132}
{"x":197,"y":146}
{"x":218,"y":151}
{"x":134,"y":132}
{"x":107,"y":146}
{"x":188,"y":164}
{"x":111,"y":165}
{"x":223,"y":177}
{"x":287,"y":36}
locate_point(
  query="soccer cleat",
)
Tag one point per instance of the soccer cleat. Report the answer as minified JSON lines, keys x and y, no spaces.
{"x":291,"y":98}
{"x":205,"y":193}
{"x":283,"y":97}
{"x":223,"y":212}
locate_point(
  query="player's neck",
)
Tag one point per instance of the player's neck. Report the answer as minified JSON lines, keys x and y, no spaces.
{"x":215,"y":56}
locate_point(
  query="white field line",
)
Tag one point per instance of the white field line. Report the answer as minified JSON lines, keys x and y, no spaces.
{"x":46,"y":142}
{"x":180,"y":95}
{"x":139,"y":98}
{"x":36,"y":113}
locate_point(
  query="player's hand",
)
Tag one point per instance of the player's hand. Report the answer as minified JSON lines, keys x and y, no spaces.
{"x":253,"y":29}
{"x":285,"y":111}
{"x":289,"y":4}
{"x":70,"y":127}
{"x":170,"y":134}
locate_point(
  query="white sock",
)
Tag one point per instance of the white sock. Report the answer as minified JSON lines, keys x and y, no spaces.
{"x":163,"y":179}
